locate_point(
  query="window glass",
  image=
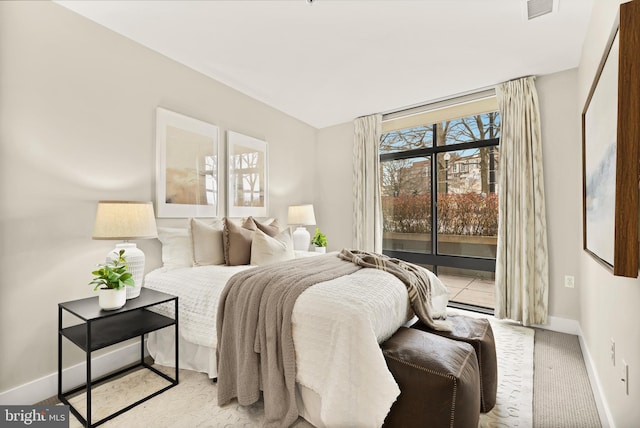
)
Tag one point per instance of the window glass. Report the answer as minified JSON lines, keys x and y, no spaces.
{"x":468,"y":202}
{"x":442,"y":179}
{"x":406,"y":204}
{"x":468,"y":129}
{"x":406,"y":139}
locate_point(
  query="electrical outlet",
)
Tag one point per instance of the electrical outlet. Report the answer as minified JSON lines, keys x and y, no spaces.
{"x":625,"y":376}
{"x":613,"y":352}
{"x":569,"y":281}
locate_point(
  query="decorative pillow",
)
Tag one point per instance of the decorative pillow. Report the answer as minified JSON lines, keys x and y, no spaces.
{"x":237,"y":244}
{"x":266,"y":250}
{"x":176,"y":247}
{"x":206,"y":239}
{"x":271,"y":229}
{"x":237,"y":239}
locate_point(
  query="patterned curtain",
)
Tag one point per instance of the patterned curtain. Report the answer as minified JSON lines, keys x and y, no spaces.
{"x":367,"y":210}
{"x":522,"y":272}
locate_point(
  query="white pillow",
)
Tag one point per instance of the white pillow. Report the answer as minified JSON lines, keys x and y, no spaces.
{"x":206,"y":239}
{"x":266,"y":249}
{"x":176,"y":247}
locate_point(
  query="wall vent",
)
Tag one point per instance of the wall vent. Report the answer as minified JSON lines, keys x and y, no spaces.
{"x":536,"y":8}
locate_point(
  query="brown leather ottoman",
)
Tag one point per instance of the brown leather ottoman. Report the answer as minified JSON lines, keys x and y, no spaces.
{"x":439,"y":381}
{"x":478,"y":333}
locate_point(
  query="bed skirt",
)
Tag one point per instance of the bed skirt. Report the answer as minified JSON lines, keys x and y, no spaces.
{"x":161,"y":346}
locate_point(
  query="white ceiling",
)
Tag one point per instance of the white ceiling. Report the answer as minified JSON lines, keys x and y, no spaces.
{"x":334,"y":60}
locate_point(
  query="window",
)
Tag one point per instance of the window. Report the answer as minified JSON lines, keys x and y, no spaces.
{"x":439,"y":185}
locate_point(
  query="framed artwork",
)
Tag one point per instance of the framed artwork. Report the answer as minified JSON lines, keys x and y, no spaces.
{"x":610,"y":155}
{"x":187,"y":166}
{"x":248,"y":177}
{"x":600,"y":127}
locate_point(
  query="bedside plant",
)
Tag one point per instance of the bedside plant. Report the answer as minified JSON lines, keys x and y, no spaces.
{"x":110,"y":279}
{"x":319,"y":241}
{"x":114,"y":274}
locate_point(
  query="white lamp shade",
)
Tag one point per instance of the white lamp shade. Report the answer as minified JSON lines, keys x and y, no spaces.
{"x":301,"y":215}
{"x":124,"y":220}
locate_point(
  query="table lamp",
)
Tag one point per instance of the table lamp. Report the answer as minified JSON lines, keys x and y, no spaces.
{"x":301,"y":215}
{"x":126,"y":220}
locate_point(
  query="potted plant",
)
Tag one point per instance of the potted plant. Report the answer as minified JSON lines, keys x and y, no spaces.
{"x":319,"y":241}
{"x":110,"y":279}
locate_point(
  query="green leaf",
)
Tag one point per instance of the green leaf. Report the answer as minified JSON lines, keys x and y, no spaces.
{"x":113,"y":274}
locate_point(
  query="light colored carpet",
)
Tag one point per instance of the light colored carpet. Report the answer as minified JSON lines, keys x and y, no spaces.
{"x":563,"y":398}
{"x":193,"y":402}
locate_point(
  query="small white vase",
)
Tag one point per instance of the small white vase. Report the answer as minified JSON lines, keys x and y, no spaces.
{"x":110,"y":299}
{"x":321,"y":249}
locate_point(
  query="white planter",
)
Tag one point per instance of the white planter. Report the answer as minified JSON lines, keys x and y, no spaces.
{"x":321,"y":249}
{"x":110,"y":299}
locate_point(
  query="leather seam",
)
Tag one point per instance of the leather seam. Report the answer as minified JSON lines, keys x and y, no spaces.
{"x":424,"y":369}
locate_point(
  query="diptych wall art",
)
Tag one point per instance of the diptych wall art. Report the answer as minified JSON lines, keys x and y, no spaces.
{"x":247,"y":176}
{"x":188,"y":166}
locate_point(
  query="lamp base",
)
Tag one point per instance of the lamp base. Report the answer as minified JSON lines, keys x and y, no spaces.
{"x":301,"y":239}
{"x":135,"y":261}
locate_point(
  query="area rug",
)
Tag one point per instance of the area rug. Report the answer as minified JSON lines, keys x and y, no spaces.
{"x":193,"y":402}
{"x":514,"y":402}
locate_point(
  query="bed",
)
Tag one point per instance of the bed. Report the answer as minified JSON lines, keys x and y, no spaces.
{"x":341,"y":378}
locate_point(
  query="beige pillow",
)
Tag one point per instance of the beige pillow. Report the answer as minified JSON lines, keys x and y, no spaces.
{"x":206,"y":239}
{"x":176,"y":247}
{"x":266,"y":249}
{"x":237,"y":239}
{"x":237,"y":244}
{"x":270,"y":228}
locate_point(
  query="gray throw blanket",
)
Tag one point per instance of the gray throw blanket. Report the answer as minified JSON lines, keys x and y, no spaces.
{"x":255,"y":344}
{"x":414,"y":278}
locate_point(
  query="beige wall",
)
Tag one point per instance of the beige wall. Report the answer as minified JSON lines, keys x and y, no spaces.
{"x":334,"y":192}
{"x":562,"y":163}
{"x":77,"y":124}
{"x":610,"y":306}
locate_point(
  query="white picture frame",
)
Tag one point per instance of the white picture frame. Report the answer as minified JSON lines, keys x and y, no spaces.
{"x":188,"y":166}
{"x":247,"y":176}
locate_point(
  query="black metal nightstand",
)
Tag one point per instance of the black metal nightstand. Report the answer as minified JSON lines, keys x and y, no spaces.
{"x":104,"y":328}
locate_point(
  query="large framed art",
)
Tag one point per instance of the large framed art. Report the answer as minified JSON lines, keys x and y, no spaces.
{"x":248,"y":176}
{"x":610,"y":150}
{"x":188,"y":166}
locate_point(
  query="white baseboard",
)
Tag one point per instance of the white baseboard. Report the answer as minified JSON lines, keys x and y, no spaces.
{"x":47,"y":386}
{"x":569,"y":326}
{"x":562,"y":325}
{"x":606,"y":419}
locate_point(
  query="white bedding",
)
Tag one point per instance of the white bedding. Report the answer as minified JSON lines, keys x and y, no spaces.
{"x":198,"y":289}
{"x":337,"y":326}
